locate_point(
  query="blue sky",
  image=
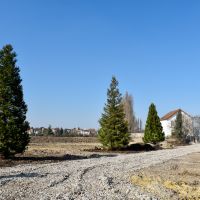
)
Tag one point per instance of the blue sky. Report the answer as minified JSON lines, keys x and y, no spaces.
{"x":68,"y":51}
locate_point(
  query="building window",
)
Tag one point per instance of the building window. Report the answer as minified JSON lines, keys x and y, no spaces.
{"x":172,"y":124}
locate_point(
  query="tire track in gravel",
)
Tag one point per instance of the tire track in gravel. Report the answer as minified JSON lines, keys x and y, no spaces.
{"x":111,"y":181}
{"x":98,"y":178}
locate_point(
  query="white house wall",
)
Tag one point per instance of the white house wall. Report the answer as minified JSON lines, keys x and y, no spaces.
{"x":168,"y":125}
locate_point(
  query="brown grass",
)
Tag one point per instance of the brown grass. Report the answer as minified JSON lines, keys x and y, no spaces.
{"x":175,"y":179}
{"x":51,"y":139}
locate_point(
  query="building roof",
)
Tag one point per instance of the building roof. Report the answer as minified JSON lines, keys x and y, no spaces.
{"x":170,"y":114}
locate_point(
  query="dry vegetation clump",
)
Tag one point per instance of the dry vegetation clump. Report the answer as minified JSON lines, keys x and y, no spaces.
{"x":184,"y":190}
{"x":176,"y":179}
{"x":180,"y":190}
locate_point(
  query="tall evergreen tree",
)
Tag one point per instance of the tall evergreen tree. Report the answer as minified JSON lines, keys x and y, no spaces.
{"x":13,"y":125}
{"x":113,"y":131}
{"x":153,"y":130}
{"x":178,"y":129}
{"x":129,"y":112}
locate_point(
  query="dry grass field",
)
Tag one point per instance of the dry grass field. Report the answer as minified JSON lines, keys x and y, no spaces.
{"x":44,"y":149}
{"x":54,"y":149}
{"x":51,"y":146}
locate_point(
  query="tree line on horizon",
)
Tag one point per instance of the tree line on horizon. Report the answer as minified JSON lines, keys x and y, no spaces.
{"x":62,"y":132}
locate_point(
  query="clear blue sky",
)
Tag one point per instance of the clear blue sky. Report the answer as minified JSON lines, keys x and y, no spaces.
{"x":68,"y":51}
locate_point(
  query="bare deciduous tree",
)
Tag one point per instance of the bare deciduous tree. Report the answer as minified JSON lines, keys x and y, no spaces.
{"x":129,"y":112}
{"x":196,"y":128}
{"x":138,"y":125}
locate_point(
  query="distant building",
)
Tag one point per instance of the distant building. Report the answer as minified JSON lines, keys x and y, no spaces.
{"x":31,"y":131}
{"x":84,"y":132}
{"x":168,"y":123}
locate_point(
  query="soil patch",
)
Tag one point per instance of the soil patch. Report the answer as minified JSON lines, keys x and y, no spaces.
{"x":132,"y":148}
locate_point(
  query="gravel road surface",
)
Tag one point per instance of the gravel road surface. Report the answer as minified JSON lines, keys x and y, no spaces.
{"x":97,"y":178}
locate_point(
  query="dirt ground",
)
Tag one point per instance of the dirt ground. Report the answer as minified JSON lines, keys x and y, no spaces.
{"x":43,"y":149}
{"x":54,"y":149}
{"x":175,"y":179}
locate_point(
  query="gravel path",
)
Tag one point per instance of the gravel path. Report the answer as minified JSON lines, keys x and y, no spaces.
{"x":97,"y":178}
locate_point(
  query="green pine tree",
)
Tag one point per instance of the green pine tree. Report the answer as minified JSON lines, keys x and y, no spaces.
{"x":178,"y":129}
{"x":153,"y":130}
{"x":13,"y":125}
{"x":113,"y":132}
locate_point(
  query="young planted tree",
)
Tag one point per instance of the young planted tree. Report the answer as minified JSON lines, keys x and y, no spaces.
{"x":49,"y":131}
{"x":13,"y":125}
{"x":153,"y":130}
{"x":113,"y":132}
{"x":178,"y":129}
{"x":129,"y":112}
